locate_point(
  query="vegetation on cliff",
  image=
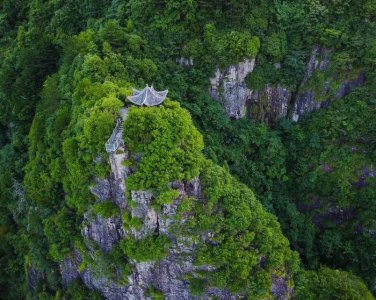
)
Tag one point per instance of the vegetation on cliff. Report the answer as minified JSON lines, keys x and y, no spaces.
{"x":65,"y":71}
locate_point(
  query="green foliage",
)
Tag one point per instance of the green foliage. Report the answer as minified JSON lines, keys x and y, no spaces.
{"x":329,"y":153}
{"x":106,"y":209}
{"x":197,"y":286}
{"x":242,"y":232}
{"x":276,"y":45}
{"x":154,"y":294}
{"x":331,"y":37}
{"x":252,"y":152}
{"x":230,"y":47}
{"x":169,"y":144}
{"x":166,"y":197}
{"x":66,"y":69}
{"x":60,"y":230}
{"x":131,"y":222}
{"x":112,"y":266}
{"x":77,"y":290}
{"x":330,"y":284}
{"x":149,"y":248}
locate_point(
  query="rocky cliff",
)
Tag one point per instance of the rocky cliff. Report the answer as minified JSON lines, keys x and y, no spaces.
{"x":275,"y":101}
{"x":228,"y":86}
{"x":168,"y":276}
{"x":313,"y":95}
{"x":269,"y":104}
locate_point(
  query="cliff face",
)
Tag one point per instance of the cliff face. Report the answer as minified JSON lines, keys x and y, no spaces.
{"x":333,"y":87}
{"x":276,"y":101}
{"x":228,"y":86}
{"x":166,"y":275}
{"x":269,"y":104}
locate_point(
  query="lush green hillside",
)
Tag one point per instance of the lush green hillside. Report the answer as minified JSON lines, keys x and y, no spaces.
{"x":66,"y":68}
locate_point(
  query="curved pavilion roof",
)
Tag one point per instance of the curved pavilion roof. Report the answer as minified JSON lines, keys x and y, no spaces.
{"x":148,"y":96}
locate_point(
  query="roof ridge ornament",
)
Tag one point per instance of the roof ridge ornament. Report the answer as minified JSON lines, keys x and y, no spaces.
{"x":148,"y":96}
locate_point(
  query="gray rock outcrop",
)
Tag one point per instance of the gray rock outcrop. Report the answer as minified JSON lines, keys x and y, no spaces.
{"x":307,"y":100}
{"x":185,"y":62}
{"x":270,"y":104}
{"x":276,"y":101}
{"x":228,"y":87}
{"x":319,"y":60}
{"x":118,"y":175}
{"x":105,"y":232}
{"x":69,"y":268}
{"x":92,"y":263}
{"x":144,"y":212}
{"x":166,"y":275}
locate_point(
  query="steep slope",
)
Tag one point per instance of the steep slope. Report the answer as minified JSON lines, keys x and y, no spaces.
{"x":178,"y":236}
{"x":66,"y":69}
{"x":323,"y":82}
{"x":332,"y":183}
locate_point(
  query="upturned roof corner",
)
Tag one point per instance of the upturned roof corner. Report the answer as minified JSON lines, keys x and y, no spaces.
{"x":148,"y":96}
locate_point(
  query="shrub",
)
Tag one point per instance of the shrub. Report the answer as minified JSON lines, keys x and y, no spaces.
{"x":106,"y":209}
{"x":154,"y":294}
{"x":170,"y":145}
{"x":150,"y":248}
{"x":330,"y":284}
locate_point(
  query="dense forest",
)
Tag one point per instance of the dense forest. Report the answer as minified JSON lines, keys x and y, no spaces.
{"x":279,"y":199}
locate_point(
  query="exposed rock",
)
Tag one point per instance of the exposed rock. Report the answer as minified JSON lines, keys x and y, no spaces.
{"x":336,"y":215}
{"x":167,"y":275}
{"x":366,"y":172}
{"x":214,"y":293}
{"x":98,"y":159}
{"x":110,"y":289}
{"x":124,"y":113}
{"x":312,"y":205}
{"x":160,"y":222}
{"x":19,"y":195}
{"x":348,"y":86}
{"x":69,"y":270}
{"x":280,"y":289}
{"x":326,"y":168}
{"x":119,"y":173}
{"x":275,"y":101}
{"x":105,"y":232}
{"x":183,"y":61}
{"x":145,"y":212}
{"x":270,"y":104}
{"x":306,"y":101}
{"x":193,"y":188}
{"x":228,"y":86}
{"x":140,"y":279}
{"x":102,"y":189}
{"x":33,"y":276}
{"x":319,"y":60}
